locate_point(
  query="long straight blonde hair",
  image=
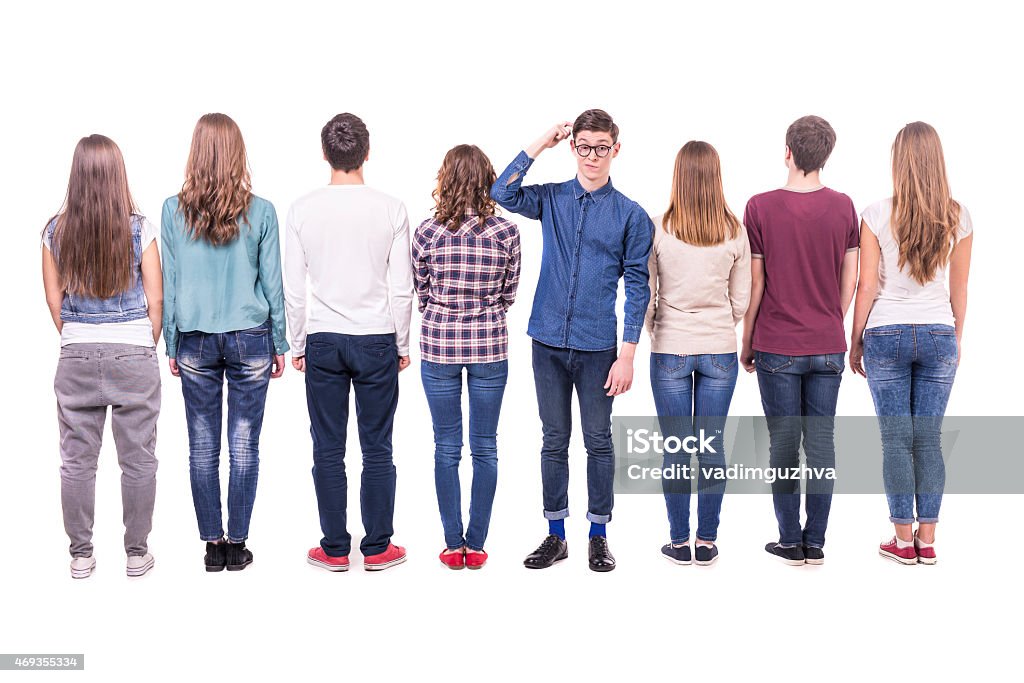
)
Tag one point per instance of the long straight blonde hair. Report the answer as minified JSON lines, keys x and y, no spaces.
{"x":925,"y":217}
{"x":697,"y":213}
{"x":92,"y":238}
{"x":217,"y":189}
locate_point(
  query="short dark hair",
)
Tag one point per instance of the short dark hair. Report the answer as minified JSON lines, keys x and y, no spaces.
{"x":346,"y":142}
{"x":596,"y":120}
{"x":811,"y":140}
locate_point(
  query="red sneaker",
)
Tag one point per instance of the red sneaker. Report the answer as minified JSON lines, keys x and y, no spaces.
{"x":925,"y":551}
{"x":318,"y":558}
{"x":892,"y":551}
{"x":456,"y":560}
{"x":394,"y":554}
{"x":476,"y":559}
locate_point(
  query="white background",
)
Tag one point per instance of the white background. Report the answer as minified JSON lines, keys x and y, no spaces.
{"x":425,"y":77}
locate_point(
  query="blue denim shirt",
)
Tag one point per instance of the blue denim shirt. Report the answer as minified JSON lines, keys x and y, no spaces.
{"x":591,"y":239}
{"x":128,"y":305}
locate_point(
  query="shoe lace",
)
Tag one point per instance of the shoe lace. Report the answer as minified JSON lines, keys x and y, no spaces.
{"x":548,"y":543}
{"x":600,"y":543}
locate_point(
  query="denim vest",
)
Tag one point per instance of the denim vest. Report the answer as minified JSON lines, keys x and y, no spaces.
{"x":128,"y":305}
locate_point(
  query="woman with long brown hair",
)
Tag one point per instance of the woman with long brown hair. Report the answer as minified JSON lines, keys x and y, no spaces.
{"x":101,"y":273}
{"x":223,"y":317}
{"x":907,"y":328}
{"x":466,"y":262}
{"x":700,"y":288}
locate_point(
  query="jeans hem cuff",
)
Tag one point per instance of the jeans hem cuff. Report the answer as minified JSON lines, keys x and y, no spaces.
{"x":558,"y":514}
{"x":598,"y":519}
{"x":927,"y":520}
{"x":902,"y":520}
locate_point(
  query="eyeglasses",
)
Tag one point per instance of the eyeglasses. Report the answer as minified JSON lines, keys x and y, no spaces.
{"x":600,"y":150}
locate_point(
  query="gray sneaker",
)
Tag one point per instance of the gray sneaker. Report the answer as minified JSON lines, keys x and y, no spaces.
{"x":81,"y":567}
{"x":139,"y":564}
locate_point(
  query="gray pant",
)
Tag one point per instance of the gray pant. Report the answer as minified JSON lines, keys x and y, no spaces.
{"x":89,"y":378}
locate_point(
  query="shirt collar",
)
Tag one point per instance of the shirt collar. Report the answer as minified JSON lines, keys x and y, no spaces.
{"x":597,"y":195}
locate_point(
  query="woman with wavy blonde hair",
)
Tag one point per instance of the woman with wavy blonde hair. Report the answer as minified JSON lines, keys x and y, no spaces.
{"x":700,"y":289}
{"x":101,"y":273}
{"x":223,"y":317}
{"x":907,"y":329}
{"x":466,"y":263}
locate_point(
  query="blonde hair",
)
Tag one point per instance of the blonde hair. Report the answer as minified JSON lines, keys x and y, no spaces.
{"x":925,"y":217}
{"x":217,"y":189}
{"x":697,"y":213}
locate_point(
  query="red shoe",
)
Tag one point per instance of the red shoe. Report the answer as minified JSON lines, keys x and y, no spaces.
{"x":395,"y":554}
{"x":318,"y":558}
{"x":892,"y":551}
{"x":476,"y":559}
{"x":925,"y":551}
{"x":456,"y":560}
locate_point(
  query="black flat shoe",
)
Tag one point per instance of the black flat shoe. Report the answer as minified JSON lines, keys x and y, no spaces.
{"x":601,"y":559}
{"x":553,"y":549}
{"x":216,"y":556}
{"x":238,"y":556}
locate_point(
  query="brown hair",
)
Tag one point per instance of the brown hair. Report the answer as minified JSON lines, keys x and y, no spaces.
{"x":811,"y":140}
{"x":92,"y":237}
{"x":925,"y":217}
{"x":596,"y":120}
{"x":217,"y":188}
{"x":463,"y":184}
{"x":697,"y":213}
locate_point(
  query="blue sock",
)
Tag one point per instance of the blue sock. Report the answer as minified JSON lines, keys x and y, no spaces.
{"x":557,"y":527}
{"x":597,"y":529}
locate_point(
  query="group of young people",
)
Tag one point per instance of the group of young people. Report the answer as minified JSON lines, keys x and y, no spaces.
{"x":351,"y":274}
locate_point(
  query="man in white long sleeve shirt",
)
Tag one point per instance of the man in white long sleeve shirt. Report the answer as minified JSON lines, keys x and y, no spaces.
{"x":348,"y":244}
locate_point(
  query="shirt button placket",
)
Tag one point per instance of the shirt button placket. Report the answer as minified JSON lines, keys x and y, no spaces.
{"x":574,"y":279}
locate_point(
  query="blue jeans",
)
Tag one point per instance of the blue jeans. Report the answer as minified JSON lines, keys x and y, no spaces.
{"x":442,"y":383}
{"x":794,"y":388}
{"x":693,"y":393}
{"x":556,"y":372}
{"x":910,"y":371}
{"x":336,"y":364}
{"x":204,"y":360}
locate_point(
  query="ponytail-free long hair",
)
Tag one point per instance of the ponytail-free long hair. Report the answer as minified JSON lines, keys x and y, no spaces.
{"x":697,"y":213}
{"x":92,"y":239}
{"x":217,"y":189}
{"x":925,"y":217}
{"x":464,"y":184}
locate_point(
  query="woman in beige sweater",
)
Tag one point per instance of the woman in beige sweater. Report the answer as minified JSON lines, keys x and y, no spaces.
{"x":700,"y":288}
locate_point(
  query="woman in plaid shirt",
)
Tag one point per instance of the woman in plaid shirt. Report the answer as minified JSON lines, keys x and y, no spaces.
{"x":466,"y":262}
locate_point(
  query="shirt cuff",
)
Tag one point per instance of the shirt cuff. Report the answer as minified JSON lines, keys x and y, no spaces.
{"x":631,"y":334}
{"x":280,"y":347}
{"x":522,"y":162}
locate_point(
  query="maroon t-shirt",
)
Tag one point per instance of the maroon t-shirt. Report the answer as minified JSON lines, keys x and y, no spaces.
{"x":802,"y":237}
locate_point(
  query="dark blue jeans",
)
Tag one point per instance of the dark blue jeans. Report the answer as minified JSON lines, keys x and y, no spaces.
{"x":910,"y":372}
{"x":442,"y":383}
{"x":799,"y":395}
{"x":556,"y":372}
{"x":335,"y":364}
{"x":204,"y":359}
{"x":693,"y":393}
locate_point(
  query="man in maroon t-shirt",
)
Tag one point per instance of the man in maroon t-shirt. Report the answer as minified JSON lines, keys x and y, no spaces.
{"x":804,"y":243}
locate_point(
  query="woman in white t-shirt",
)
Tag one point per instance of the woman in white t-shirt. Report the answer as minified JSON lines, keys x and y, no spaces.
{"x":101,"y":273}
{"x":907,"y":329}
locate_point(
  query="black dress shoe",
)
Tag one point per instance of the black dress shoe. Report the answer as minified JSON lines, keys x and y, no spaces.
{"x":238,"y":556}
{"x":216,"y":556}
{"x":553,"y":549}
{"x":601,"y":559}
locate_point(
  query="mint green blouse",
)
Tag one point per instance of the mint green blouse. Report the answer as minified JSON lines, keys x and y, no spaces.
{"x":222,"y":288}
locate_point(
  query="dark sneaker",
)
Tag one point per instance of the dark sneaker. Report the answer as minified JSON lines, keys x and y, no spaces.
{"x":601,"y":559}
{"x":216,"y":556}
{"x":552,"y":549}
{"x":813,"y":555}
{"x":238,"y":557}
{"x":705,"y":554}
{"x":793,"y":556}
{"x":680,"y":555}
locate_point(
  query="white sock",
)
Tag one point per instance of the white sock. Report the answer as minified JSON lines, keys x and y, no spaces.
{"x":901,"y":544}
{"x":920,"y":543}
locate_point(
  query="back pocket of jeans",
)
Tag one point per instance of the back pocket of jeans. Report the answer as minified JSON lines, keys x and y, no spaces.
{"x":945,"y":346}
{"x":881,"y":347}
{"x":254,"y":343}
{"x":772,"y":362}
{"x":670,"y":364}
{"x":378,"y":348}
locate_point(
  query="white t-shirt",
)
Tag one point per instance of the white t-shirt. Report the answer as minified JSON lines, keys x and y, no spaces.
{"x":902,"y":300}
{"x":138,"y":332}
{"x":351,"y":243}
